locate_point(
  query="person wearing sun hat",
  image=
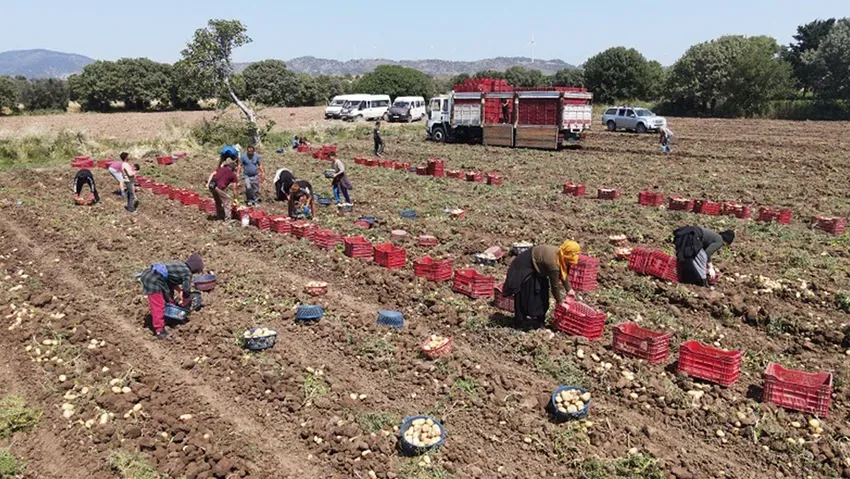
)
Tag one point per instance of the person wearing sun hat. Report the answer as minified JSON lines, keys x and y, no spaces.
{"x":159,"y":282}
{"x":536,"y":272}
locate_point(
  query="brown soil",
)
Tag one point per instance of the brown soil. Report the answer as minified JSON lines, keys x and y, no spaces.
{"x":263,"y":415}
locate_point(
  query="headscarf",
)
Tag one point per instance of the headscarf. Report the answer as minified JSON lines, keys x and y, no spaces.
{"x":728,"y":236}
{"x":160,"y":269}
{"x":568,"y":254}
{"x":195,"y":263}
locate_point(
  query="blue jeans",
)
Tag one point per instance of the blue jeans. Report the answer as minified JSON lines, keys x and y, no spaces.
{"x":344,"y":190}
{"x":665,"y":148}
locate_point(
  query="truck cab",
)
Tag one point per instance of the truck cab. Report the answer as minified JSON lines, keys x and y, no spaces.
{"x":437,"y":126}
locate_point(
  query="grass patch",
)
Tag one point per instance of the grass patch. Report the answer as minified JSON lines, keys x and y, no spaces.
{"x":10,"y":468}
{"x":842,"y":300}
{"x":466,"y":386}
{"x":16,"y":416}
{"x":410,"y":469}
{"x":375,"y":421}
{"x":132,"y":466}
{"x":637,"y":466}
{"x":562,"y":369}
{"x":314,"y":387}
{"x":375,"y":347}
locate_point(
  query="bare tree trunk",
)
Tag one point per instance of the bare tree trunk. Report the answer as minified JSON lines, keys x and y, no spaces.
{"x":249,"y":113}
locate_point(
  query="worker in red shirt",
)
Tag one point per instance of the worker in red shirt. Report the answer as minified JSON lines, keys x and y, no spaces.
{"x":218,"y":182}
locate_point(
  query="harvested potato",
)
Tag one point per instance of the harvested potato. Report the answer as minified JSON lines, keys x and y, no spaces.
{"x":259,"y":333}
{"x":571,"y":400}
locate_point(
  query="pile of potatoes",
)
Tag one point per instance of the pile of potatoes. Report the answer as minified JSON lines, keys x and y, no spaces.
{"x":423,"y":433}
{"x":259,"y":333}
{"x":435,"y":342}
{"x":571,"y":400}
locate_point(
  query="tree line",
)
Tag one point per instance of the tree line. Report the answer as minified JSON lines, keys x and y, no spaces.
{"x":728,"y":76}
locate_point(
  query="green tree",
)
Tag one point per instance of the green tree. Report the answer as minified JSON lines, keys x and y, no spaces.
{"x":187,"y":90}
{"x":8,"y":94}
{"x":328,"y":87}
{"x":698,"y":81}
{"x":210,"y":55}
{"x":655,"y":81}
{"x":830,"y":63}
{"x":490,"y":74}
{"x":520,"y":77}
{"x":458,"y":79}
{"x":807,"y":39}
{"x":45,"y":94}
{"x":143,"y":83}
{"x":97,"y":86}
{"x":395,"y":81}
{"x":573,"y":77}
{"x":270,"y":83}
{"x":618,"y":73}
{"x":757,"y":77}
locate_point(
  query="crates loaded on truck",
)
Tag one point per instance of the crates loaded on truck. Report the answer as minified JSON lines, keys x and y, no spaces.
{"x":491,"y":112}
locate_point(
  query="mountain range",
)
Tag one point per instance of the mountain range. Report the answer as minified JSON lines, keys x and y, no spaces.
{"x":50,"y":64}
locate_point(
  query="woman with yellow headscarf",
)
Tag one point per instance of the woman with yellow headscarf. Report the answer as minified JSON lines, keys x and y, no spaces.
{"x":534,"y":273}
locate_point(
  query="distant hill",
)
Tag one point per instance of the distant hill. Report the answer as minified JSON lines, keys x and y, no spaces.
{"x":322,"y":66}
{"x":42,"y":63}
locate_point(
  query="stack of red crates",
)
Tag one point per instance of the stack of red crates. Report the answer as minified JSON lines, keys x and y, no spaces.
{"x":716,"y":365}
{"x":505,"y":303}
{"x":633,"y":340}
{"x":768,"y":215}
{"x":579,"y":319}
{"x":493,"y":111}
{"x":738,"y":210}
{"x":326,"y":239}
{"x":437,"y":270}
{"x":494,"y":179}
{"x":573,"y":189}
{"x":706,"y":207}
{"x":260,"y":220}
{"x":638,"y":260}
{"x":390,"y":256}
{"x":357,"y":247}
{"x":677,"y":203}
{"x":436,"y":168}
{"x":303,"y":229}
{"x":483,"y":85}
{"x":473,"y":284}
{"x":282,"y":225}
{"x":538,"y":111}
{"x":650,"y":198}
{"x":808,"y":393}
{"x":475,"y":176}
{"x":82,"y":162}
{"x":583,"y":275}
{"x":829,"y":224}
{"x":607,"y":193}
{"x":662,"y":266}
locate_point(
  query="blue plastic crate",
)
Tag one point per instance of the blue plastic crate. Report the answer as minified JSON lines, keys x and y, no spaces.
{"x":393,"y":319}
{"x":176,"y":313}
{"x":409,"y":449}
{"x":259,"y":344}
{"x":369,"y":219}
{"x":324,"y":201}
{"x":309,"y":313}
{"x":569,"y":415}
{"x":408,"y":214}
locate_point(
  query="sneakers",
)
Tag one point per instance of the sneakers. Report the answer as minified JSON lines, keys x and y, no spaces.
{"x":164,"y":334}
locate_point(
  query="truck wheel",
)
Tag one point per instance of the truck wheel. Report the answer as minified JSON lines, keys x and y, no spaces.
{"x":386,"y":116}
{"x":641,"y":128}
{"x":358,"y":118}
{"x":410,"y":119}
{"x":438,"y":135}
{"x":611,"y":125}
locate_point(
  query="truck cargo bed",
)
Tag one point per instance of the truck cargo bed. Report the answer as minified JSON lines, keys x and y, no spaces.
{"x":544,"y":137}
{"x":499,"y":135}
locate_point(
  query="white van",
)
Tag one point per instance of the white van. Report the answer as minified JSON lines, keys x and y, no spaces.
{"x":365,"y":107}
{"x":334,"y":107}
{"x":407,"y":108}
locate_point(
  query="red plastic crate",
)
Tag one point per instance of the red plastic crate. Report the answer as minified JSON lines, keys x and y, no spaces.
{"x":371,"y":162}
{"x":174,"y":193}
{"x":303,"y":149}
{"x":677,"y":203}
{"x":650,"y":198}
{"x":191,"y":198}
{"x":578,"y":319}
{"x":261,"y":220}
{"x":474,"y":176}
{"x":738,"y":210}
{"x":829,"y":224}
{"x":303,"y":229}
{"x":712,"y":364}
{"x":473,"y":284}
{"x":326,"y":239}
{"x":662,"y":266}
{"x":706,"y":207}
{"x":633,"y":340}
{"x":454,"y":174}
{"x":282,"y":225}
{"x":583,"y":274}
{"x":573,"y":189}
{"x":809,"y":393}
{"x":502,"y":302}
{"x":390,"y":256}
{"x":427,"y":241}
{"x":437,"y":270}
{"x":359,"y":160}
{"x":494,"y":179}
{"x":638,"y":260}
{"x":607,"y":193}
{"x":768,"y":215}
{"x":164,"y":160}
{"x":104,"y":163}
{"x":436,"y":168}
{"x":422,"y":170}
{"x":386,"y":163}
{"x":357,"y":247}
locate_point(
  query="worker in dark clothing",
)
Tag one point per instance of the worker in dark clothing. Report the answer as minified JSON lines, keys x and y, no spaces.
{"x":506,"y":111}
{"x":695,"y":246}
{"x":536,"y":272}
{"x":84,"y":177}
{"x":218,"y":182}
{"x":302,"y":204}
{"x":283,"y":180}
{"x":159,"y":282}
{"x":379,"y":142}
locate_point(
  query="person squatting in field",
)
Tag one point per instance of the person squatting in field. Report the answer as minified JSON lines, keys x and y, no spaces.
{"x":283,"y":179}
{"x":251,"y":171}
{"x":379,"y":142}
{"x":301,"y":202}
{"x":218,"y":182}
{"x":536,"y":272}
{"x":694,"y":247}
{"x":159,"y":282}
{"x":84,"y":177}
{"x":665,"y":137}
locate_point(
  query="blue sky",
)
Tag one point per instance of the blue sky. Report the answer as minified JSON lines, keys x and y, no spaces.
{"x":451,"y":30}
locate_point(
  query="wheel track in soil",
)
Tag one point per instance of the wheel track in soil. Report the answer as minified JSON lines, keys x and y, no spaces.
{"x":267,"y":440}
